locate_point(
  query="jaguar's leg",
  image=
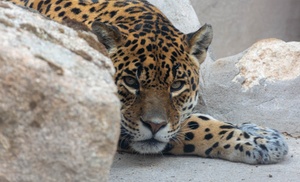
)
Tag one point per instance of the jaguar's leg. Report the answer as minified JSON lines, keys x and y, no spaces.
{"x":204,"y":136}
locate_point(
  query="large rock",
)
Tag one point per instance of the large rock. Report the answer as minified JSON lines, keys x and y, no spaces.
{"x":59,"y":114}
{"x":180,"y":12}
{"x":260,"y":85}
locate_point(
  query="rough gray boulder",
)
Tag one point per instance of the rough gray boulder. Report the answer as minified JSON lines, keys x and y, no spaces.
{"x":180,"y":12}
{"x":260,"y":85}
{"x":59,"y":114}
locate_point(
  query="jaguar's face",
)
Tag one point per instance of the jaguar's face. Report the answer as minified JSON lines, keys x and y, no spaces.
{"x":157,"y":79}
{"x":157,"y":95}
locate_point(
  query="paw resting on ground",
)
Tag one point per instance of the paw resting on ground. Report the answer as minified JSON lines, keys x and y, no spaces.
{"x":269,"y":145}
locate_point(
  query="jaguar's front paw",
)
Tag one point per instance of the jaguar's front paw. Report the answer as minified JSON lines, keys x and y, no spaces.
{"x":269,"y":146}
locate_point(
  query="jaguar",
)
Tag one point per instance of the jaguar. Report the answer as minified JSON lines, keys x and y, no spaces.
{"x":157,"y":76}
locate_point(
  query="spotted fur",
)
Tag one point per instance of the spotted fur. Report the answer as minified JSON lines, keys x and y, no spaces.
{"x":157,"y":75}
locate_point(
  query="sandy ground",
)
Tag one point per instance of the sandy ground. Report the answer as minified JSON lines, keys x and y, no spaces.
{"x":144,"y":168}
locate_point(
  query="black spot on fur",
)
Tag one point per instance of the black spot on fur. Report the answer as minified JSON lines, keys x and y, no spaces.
{"x":92,"y":9}
{"x":165,"y":49}
{"x":189,"y":148}
{"x":263,"y":147}
{"x":140,"y":51}
{"x":67,"y":4}
{"x":208,"y":151}
{"x":226,"y":146}
{"x":241,"y":148}
{"x":48,"y":8}
{"x":126,"y":58}
{"x":47,"y":1}
{"x":216,"y":145}
{"x":76,"y":11}
{"x":120,"y":4}
{"x":237,"y":146}
{"x":61,"y":14}
{"x":222,"y":132}
{"x":208,"y":136}
{"x":40,"y":5}
{"x":57,"y":8}
{"x":149,"y":47}
{"x":190,"y":107}
{"x":203,"y":118}
{"x":165,"y":28}
{"x":246,"y":135}
{"x":138,"y":26}
{"x":120,"y":66}
{"x":127,"y":43}
{"x":143,"y":41}
{"x":133,"y":47}
{"x":193,"y":125}
{"x":189,"y":136}
{"x":194,"y":87}
{"x":151,"y":66}
{"x":226,"y":127}
{"x":85,"y":16}
{"x":229,"y":136}
{"x":113,"y":13}
{"x":125,"y":27}
{"x":192,"y":80}
{"x":58,"y":1}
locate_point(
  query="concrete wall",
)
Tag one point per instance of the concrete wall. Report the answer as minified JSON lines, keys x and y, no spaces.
{"x":239,"y":23}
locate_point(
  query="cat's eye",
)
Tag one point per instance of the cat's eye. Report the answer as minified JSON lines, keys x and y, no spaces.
{"x":131,"y":82}
{"x":176,"y":86}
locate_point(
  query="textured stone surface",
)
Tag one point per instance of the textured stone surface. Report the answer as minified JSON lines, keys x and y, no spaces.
{"x":59,"y":114}
{"x":260,"y":85}
{"x":270,"y":60}
{"x":180,"y":12}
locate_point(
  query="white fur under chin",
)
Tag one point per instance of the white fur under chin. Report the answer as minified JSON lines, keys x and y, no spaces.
{"x":148,"y":148}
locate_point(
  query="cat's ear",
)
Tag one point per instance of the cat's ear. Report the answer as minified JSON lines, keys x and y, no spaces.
{"x":107,"y":34}
{"x":199,"y":41}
